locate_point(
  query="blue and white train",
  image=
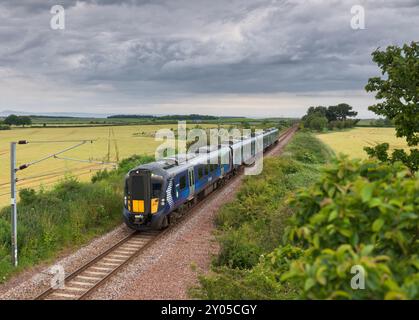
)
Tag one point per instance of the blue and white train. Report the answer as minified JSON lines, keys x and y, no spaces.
{"x":159,"y":192}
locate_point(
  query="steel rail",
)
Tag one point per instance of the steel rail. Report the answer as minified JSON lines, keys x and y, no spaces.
{"x":155,"y":235}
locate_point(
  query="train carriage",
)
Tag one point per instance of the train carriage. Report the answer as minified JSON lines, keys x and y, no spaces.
{"x":161,"y":190}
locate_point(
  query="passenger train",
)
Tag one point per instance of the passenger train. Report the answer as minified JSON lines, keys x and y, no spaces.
{"x":159,"y":192}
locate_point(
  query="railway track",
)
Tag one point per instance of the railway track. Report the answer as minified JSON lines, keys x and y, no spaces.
{"x":88,"y":278}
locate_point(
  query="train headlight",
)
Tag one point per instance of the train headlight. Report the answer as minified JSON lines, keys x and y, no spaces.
{"x":163,"y":202}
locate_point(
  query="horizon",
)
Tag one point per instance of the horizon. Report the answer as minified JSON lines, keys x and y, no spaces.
{"x":6,"y":113}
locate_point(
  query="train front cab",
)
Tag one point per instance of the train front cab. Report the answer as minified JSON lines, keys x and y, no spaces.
{"x":144,"y":200}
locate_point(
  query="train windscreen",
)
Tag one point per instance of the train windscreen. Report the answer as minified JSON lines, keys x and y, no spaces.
{"x":138,"y":187}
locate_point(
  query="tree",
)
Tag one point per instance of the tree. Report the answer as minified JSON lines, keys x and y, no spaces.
{"x":332,"y":117}
{"x":17,"y":120}
{"x":398,"y":89}
{"x":24,"y":121}
{"x":341,"y":112}
{"x":11,"y":120}
{"x":318,"y":123}
{"x":320,"y":110}
{"x":398,"y":92}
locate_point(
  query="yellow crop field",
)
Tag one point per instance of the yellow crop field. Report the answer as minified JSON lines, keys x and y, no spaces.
{"x":352,"y":142}
{"x":135,"y":139}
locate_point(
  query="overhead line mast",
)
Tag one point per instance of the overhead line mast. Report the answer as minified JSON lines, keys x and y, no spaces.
{"x":13,"y":179}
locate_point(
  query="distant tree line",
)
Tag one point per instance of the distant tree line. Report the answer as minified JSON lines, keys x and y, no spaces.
{"x":167,"y":117}
{"x":382,"y":123}
{"x":17,"y":120}
{"x":332,"y":117}
{"x":4,"y":126}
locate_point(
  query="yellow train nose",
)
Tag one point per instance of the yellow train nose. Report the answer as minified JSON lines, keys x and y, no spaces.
{"x":154,"y":205}
{"x":138,"y":206}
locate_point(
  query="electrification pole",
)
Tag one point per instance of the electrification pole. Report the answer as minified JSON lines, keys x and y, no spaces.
{"x":13,"y":201}
{"x":13,"y":180}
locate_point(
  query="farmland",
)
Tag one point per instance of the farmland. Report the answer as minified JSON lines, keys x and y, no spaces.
{"x":352,"y":142}
{"x":134,"y":139}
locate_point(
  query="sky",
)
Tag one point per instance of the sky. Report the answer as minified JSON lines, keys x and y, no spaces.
{"x":251,"y":58}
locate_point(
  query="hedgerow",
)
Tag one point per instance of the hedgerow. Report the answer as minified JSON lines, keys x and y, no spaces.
{"x":355,"y":213}
{"x":254,"y":224}
{"x":360,"y":213}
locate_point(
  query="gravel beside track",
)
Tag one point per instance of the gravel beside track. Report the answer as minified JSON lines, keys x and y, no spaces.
{"x":32,"y":282}
{"x":163,"y":271}
{"x":170,"y":267}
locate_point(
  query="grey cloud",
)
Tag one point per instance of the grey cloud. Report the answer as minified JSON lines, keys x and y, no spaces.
{"x":153,"y":49}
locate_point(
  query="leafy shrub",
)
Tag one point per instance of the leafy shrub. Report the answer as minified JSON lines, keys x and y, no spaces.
{"x":69,"y":214}
{"x":380,"y":152}
{"x":317,"y":123}
{"x":253,"y":226}
{"x":4,"y":127}
{"x":359,"y":213}
{"x":27,"y":196}
{"x":123,"y":167}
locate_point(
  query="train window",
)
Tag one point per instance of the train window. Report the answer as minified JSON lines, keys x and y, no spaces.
{"x":182,"y":182}
{"x":200,"y":172}
{"x":155,"y":190}
{"x":138,"y":187}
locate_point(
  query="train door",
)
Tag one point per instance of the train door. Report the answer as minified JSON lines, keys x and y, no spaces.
{"x":181,"y":188}
{"x":191,"y":178}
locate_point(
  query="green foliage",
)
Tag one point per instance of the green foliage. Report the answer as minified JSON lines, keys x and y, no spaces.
{"x":17,"y":120}
{"x":398,"y":89}
{"x":340,"y":112}
{"x":400,"y":104}
{"x":320,"y":118}
{"x":386,"y":122}
{"x":359,"y":213}
{"x":68,"y":215}
{"x":11,"y":120}
{"x":317,"y":123}
{"x":351,"y":196}
{"x":123,"y":167}
{"x":4,"y":127}
{"x":380,"y":151}
{"x":253,"y":226}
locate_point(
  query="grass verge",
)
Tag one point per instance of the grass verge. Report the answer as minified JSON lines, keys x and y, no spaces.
{"x":253,"y":224}
{"x":65,"y":217}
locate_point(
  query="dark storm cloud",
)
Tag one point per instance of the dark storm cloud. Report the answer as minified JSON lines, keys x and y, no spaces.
{"x":153,"y":50}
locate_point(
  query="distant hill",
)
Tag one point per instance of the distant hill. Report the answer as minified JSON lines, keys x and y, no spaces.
{"x":5,"y":113}
{"x":167,"y":117}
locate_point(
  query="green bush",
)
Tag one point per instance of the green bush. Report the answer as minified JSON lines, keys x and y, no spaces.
{"x":4,"y":127}
{"x":359,"y":213}
{"x":66,"y":216}
{"x":123,"y":167}
{"x":253,"y":225}
{"x":317,"y":123}
{"x":360,"y":202}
